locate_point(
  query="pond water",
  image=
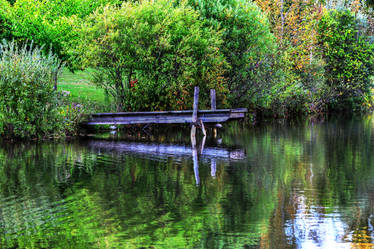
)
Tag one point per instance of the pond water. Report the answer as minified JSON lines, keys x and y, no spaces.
{"x":279,"y":186}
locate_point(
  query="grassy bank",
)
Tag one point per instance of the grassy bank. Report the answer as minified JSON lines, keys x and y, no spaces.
{"x":82,"y":91}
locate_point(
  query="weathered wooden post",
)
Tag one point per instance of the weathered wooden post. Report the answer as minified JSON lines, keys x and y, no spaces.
{"x":195,"y":104}
{"x":213,"y":99}
{"x":195,"y":120}
{"x":213,"y":107}
{"x":195,"y":110}
{"x":193,"y":135}
{"x":202,"y":127}
{"x":202,"y":145}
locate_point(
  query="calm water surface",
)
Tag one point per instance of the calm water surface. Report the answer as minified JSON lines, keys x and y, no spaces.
{"x":281,"y":186}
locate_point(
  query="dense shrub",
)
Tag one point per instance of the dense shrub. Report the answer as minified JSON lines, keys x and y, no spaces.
{"x":5,"y":21}
{"x":28,"y":103}
{"x":349,"y":60}
{"x":294,"y":23}
{"x":51,"y":23}
{"x":248,"y":46}
{"x":150,"y":55}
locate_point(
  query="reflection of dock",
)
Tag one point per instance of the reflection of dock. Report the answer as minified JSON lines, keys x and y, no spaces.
{"x":167,"y":150}
{"x":164,"y":150}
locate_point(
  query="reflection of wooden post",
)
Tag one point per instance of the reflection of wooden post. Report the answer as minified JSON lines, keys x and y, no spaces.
{"x":195,"y":160}
{"x":202,"y":145}
{"x":213,"y":167}
{"x":195,"y":109}
{"x":213,"y":107}
{"x":193,"y":135}
{"x":203,"y":127}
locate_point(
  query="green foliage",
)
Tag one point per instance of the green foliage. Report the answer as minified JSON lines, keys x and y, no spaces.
{"x":248,"y":46}
{"x":349,"y":59}
{"x":149,"y":56}
{"x":28,"y":103}
{"x":51,"y":23}
{"x":5,"y":22}
{"x":287,"y":98}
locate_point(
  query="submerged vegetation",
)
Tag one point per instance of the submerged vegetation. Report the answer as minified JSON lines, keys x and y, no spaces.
{"x":277,"y":58}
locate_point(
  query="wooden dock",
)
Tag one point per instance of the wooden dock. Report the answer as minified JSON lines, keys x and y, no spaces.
{"x":195,"y":117}
{"x":166,"y":117}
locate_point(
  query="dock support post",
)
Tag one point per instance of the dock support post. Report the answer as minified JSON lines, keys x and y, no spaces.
{"x":213,"y":107}
{"x":203,"y":127}
{"x":213,"y":99}
{"x":195,"y":110}
{"x":195,"y":104}
{"x":201,"y":150}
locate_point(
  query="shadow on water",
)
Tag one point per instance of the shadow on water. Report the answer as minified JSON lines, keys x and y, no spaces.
{"x":279,"y":186}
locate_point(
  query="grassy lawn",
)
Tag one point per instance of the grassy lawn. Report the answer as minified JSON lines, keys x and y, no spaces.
{"x":82,"y":90}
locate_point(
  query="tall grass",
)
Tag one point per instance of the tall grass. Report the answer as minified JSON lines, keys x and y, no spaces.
{"x":28,"y":103}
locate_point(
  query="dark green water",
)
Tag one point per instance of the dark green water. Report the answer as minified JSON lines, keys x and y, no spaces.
{"x":286,"y":186}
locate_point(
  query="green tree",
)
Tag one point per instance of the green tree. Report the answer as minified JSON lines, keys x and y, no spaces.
{"x":5,"y":22}
{"x":150,"y":55}
{"x":248,"y":46}
{"x":51,"y":23}
{"x":349,"y":59}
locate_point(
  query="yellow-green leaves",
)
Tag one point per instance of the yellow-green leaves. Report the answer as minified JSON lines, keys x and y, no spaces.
{"x":349,"y":58}
{"x":150,"y":55}
{"x":5,"y":22}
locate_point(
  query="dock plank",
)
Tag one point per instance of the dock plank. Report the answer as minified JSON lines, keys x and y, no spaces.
{"x":165,"y":117}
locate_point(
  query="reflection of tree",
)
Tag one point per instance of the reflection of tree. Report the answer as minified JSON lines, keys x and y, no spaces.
{"x":33,"y":212}
{"x":323,"y":174}
{"x":65,"y":196}
{"x":178,"y":213}
{"x":298,"y":185}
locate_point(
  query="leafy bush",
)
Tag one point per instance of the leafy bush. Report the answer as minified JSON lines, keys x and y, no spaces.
{"x":28,"y":103}
{"x":248,"y":46}
{"x":51,"y":23}
{"x":349,"y":59}
{"x":150,"y":55}
{"x":5,"y":22}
